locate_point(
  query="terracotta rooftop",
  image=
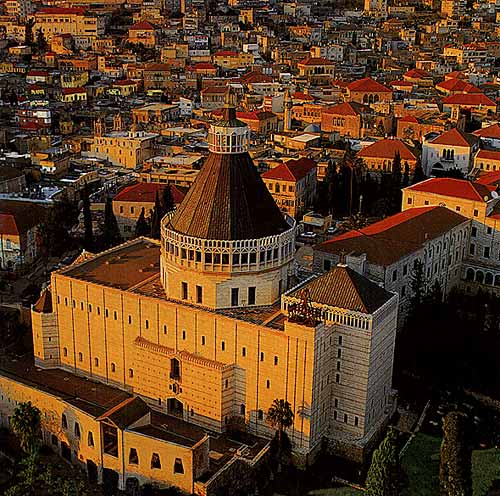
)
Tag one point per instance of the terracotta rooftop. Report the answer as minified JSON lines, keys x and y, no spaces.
{"x":142,"y":26}
{"x":457,"y":85}
{"x":455,"y":137}
{"x":146,"y":193}
{"x":315,"y":61}
{"x":416,"y":74}
{"x":489,"y":154}
{"x":61,"y":10}
{"x":292,"y":170}
{"x":347,"y":108}
{"x":472,"y":99}
{"x":490,"y":179}
{"x":344,"y":288}
{"x":387,"y":148}
{"x":492,"y":131}
{"x":395,"y":237}
{"x":122,"y":267}
{"x":368,"y":85}
{"x":44,"y":303}
{"x":458,"y":188}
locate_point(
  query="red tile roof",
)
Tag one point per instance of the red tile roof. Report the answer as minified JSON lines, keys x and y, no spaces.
{"x":202,"y":66}
{"x":37,"y":73}
{"x":490,"y":179}
{"x":125,"y":82}
{"x":457,"y":85}
{"x":315,"y":61}
{"x":369,"y":85}
{"x":142,"y":26}
{"x":300,"y":95}
{"x":61,"y":10}
{"x":492,"y":131}
{"x":346,"y":108}
{"x":395,"y":237}
{"x":472,"y":99}
{"x":8,"y":225}
{"x":387,"y":148}
{"x":454,"y":137}
{"x":146,"y":193}
{"x":456,"y":188}
{"x":73,"y":91}
{"x":409,"y":118}
{"x":488,"y":154}
{"x":416,"y":74}
{"x":293,"y":170}
{"x":455,"y":75}
{"x":226,"y":53}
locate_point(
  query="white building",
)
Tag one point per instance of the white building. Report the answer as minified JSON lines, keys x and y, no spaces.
{"x":452,"y":149}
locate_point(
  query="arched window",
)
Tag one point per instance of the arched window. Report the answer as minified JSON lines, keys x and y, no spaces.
{"x":488,"y":279}
{"x":479,"y":276}
{"x":242,"y":409}
{"x":497,"y":281}
{"x":469,"y":275}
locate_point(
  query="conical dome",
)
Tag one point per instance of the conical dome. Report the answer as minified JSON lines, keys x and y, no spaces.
{"x":228,"y":200}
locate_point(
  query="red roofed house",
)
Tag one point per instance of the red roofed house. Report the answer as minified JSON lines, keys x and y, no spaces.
{"x":70,"y":95}
{"x":213,"y":97}
{"x":293,"y":185}
{"x":124,"y":87}
{"x":386,"y":251}
{"x":490,"y":135}
{"x":477,"y":103}
{"x":486,"y":161}
{"x":418,"y":77}
{"x":143,"y":32}
{"x":378,"y":156}
{"x":72,"y":20}
{"x":368,"y":91}
{"x":452,"y":149}
{"x":19,"y":240}
{"x":456,"y":87}
{"x":129,"y":202}
{"x":37,"y":77}
{"x":312,"y":67}
{"x":347,"y":119}
{"x":478,"y":202}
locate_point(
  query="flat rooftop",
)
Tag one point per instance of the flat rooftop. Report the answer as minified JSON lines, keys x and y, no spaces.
{"x":87,"y":395}
{"x":123,"y":267}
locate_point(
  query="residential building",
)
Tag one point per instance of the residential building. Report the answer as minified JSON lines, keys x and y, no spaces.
{"x":379,"y":156}
{"x":129,"y":202}
{"x":293,"y":185}
{"x":452,"y":149}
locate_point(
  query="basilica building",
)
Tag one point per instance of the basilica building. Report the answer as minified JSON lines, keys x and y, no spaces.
{"x":150,"y":355}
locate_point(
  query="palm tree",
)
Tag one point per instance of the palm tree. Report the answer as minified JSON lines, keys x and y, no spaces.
{"x":26,"y":425}
{"x":280,"y":417}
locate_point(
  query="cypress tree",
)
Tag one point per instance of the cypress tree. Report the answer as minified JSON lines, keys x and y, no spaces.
{"x":156,"y":217}
{"x":385,"y":472}
{"x":141,"y":226}
{"x":406,"y":176}
{"x":168,"y":203}
{"x":418,"y":174}
{"x":88,"y":239}
{"x":111,"y":232}
{"x":455,"y":470}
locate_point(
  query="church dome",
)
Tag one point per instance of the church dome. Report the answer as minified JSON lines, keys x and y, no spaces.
{"x":228,"y":200}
